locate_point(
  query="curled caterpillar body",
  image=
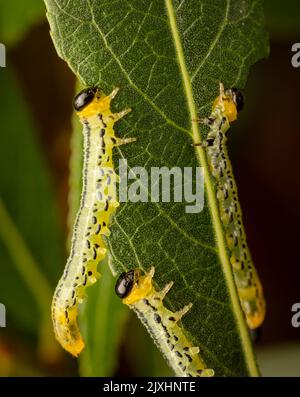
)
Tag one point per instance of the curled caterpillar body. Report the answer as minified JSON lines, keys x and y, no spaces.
{"x":224,"y":111}
{"x":98,"y":204}
{"x":139,"y":294}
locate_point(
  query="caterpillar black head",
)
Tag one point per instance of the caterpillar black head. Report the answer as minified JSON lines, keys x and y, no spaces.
{"x":124,"y":284}
{"x":237,"y":98}
{"x":85,"y":97}
{"x":133,"y":285}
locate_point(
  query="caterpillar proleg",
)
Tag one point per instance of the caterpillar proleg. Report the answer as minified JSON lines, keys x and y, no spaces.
{"x":138,"y":292}
{"x":98,"y":204}
{"x":224,"y":111}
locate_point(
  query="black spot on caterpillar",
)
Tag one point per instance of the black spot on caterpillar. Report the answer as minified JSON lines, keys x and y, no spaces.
{"x":98,"y":204}
{"x":139,"y":294}
{"x":224,"y":111}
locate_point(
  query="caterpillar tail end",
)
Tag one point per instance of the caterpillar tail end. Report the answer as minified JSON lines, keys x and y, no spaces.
{"x":67,"y":331}
{"x":74,"y":347}
{"x":253,"y":304}
{"x":256,"y":319}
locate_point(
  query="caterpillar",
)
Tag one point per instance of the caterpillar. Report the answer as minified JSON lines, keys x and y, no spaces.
{"x":224,"y":111}
{"x":137,"y":291}
{"x":98,"y":204}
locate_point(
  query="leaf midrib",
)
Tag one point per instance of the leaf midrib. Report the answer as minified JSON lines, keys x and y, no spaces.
{"x":244,"y":335}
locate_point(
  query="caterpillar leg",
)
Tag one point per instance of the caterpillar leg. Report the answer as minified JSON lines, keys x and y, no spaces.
{"x":202,"y":120}
{"x":202,"y":144}
{"x":124,"y":141}
{"x":120,"y":115}
{"x":179,"y":314}
{"x":207,"y":121}
{"x":222,"y":90}
{"x":114,"y":93}
{"x":165,"y":290}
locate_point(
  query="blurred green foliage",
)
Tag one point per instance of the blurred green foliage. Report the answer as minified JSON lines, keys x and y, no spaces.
{"x":31,"y":251}
{"x":31,"y":242}
{"x":16,"y":17}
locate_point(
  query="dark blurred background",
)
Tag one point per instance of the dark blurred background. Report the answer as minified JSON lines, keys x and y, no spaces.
{"x":264,"y":148}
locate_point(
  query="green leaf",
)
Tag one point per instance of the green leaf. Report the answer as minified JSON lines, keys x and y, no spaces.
{"x":168,"y":58}
{"x":31,"y":251}
{"x":17,"y":17}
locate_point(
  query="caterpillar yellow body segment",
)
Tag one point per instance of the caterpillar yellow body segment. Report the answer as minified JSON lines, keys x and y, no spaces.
{"x":98,"y":204}
{"x":224,"y":111}
{"x":139,"y":294}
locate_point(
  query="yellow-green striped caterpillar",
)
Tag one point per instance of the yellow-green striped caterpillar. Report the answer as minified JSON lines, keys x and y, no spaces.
{"x":224,"y":111}
{"x":138,"y":292}
{"x":98,"y":204}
